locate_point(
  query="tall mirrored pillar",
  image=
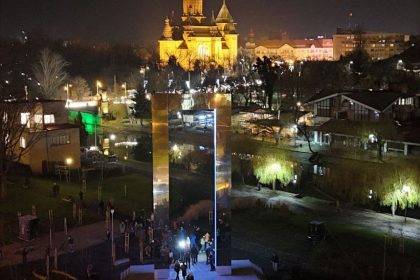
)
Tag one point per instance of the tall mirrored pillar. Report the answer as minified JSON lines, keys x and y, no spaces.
{"x":160,"y":141}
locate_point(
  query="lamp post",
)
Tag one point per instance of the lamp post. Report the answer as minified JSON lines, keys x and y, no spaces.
{"x":124,"y":86}
{"x":67,"y":90}
{"x":69,"y":162}
{"x":406,"y":190}
{"x":98,"y":85}
{"x":112,"y":235}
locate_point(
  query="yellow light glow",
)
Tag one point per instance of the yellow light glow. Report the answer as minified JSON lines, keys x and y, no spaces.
{"x":69,"y":161}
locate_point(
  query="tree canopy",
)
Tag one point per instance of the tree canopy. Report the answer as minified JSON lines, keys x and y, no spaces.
{"x":271,"y":166}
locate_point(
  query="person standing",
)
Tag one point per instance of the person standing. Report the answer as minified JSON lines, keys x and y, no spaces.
{"x":202,"y":242}
{"x":206,"y":240}
{"x":171,"y":256}
{"x":194,"y":254}
{"x":211,"y":261}
{"x":275,"y":261}
{"x":177,"y":268}
{"x":70,"y":242}
{"x":141,"y":251}
{"x":193,"y":239}
{"x":187,"y":258}
{"x":184,"y":270}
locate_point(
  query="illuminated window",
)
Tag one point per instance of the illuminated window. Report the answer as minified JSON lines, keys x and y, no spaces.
{"x":60,"y":140}
{"x":24,"y":119}
{"x":203,"y":51}
{"x":22,"y":142}
{"x":49,"y":119}
{"x":38,"y":119}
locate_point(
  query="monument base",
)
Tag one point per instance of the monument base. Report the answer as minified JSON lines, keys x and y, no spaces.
{"x":224,"y":270}
{"x":162,"y":274}
{"x":240,"y":270}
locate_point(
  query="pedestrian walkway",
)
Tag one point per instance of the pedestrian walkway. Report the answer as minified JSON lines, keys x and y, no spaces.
{"x":84,"y":237}
{"x":365,"y":218}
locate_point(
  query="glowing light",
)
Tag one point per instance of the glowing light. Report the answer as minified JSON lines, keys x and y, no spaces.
{"x":69,"y":161}
{"x":406,"y":189}
{"x":130,"y":144}
{"x":182,"y":244}
{"x":275,"y":167}
{"x":112,"y":137}
{"x":81,"y":104}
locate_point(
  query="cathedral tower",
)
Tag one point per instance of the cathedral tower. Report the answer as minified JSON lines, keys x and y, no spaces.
{"x":193,"y":8}
{"x":213,"y":42}
{"x":193,"y":11}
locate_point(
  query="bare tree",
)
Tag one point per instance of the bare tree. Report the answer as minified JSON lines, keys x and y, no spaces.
{"x":271,"y":127}
{"x":50,"y":74}
{"x":79,"y":88}
{"x":16,"y":134}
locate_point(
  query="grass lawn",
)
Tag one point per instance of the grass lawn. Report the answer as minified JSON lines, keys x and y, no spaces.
{"x":348,"y":250}
{"x":139,"y":196}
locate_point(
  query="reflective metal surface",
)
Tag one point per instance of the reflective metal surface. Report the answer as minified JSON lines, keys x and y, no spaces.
{"x":160,"y":142}
{"x":220,"y":106}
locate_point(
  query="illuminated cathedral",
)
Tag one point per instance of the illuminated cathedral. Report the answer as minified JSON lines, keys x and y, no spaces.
{"x":195,"y":37}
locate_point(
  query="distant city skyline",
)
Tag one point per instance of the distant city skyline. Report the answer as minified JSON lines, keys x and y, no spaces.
{"x":141,"y":21}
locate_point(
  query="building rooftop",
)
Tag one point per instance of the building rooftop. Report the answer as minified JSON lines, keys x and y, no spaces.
{"x":375,"y":100}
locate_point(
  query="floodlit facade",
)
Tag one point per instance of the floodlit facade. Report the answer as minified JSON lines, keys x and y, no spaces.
{"x":379,"y":45}
{"x":213,"y":41}
{"x":290,"y":50}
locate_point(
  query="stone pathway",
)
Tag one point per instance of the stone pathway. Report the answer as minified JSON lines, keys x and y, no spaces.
{"x":84,"y":237}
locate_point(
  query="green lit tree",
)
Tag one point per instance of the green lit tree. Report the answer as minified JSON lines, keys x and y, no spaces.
{"x":400,"y":188}
{"x":270,"y":166}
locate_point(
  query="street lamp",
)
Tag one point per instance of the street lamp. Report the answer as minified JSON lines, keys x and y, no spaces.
{"x":67,"y":90}
{"x":112,"y":235}
{"x":69,"y":161}
{"x":98,"y":85}
{"x":124,"y":86}
{"x":406,"y":191}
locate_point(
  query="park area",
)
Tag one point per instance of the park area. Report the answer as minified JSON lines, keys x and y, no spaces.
{"x":127,"y":193}
{"x":263,"y":221}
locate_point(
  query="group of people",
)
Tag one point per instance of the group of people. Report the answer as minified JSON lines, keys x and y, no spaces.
{"x":188,"y":249}
{"x":178,"y":267}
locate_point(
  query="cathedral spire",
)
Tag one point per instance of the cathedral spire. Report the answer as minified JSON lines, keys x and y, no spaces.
{"x":167,"y":30}
{"x":224,"y":14}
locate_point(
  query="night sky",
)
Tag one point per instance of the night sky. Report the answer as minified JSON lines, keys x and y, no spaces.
{"x":141,"y":21}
